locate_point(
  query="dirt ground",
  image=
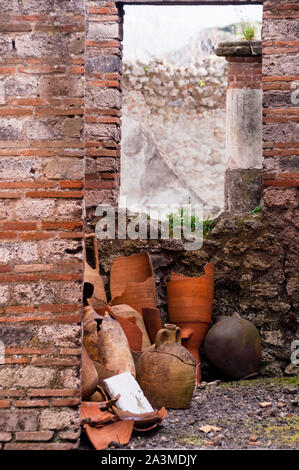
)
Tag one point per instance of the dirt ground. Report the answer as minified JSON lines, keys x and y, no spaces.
{"x":251,"y":414}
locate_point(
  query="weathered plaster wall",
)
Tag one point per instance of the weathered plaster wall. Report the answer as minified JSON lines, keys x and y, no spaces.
{"x":173,"y":134}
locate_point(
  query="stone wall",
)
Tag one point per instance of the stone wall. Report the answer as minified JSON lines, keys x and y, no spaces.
{"x":103,"y":62}
{"x":252,"y":276}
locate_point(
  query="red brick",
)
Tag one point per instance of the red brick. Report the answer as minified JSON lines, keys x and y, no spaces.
{"x":4,"y":268}
{"x":69,"y":318}
{"x":98,"y":10}
{"x":282,"y":182}
{"x":62,"y":277}
{"x":19,"y":226}
{"x":19,"y":278}
{"x":11,"y":393}
{"x":30,"y":403}
{"x":29,"y":351}
{"x":53,"y":361}
{"x":10,"y":195}
{"x":5,"y":403}
{"x":15,"y":27}
{"x":71,"y":184}
{"x":71,"y":235}
{"x":19,"y":309}
{"x":59,"y":308}
{"x":64,"y":225}
{"x":35,"y":236}
{"x":66,"y":402}
{"x":46,"y":392}
{"x":34,"y":436}
{"x":55,"y":194}
{"x":17,"y":360}
{"x":37,"y":446}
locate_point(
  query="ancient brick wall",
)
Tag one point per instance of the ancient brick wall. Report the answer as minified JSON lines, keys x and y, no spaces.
{"x":41,"y":181}
{"x":103,"y":103}
{"x":280,"y":101}
{"x":280,"y":133}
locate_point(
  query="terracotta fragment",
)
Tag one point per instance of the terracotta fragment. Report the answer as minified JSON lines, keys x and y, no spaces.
{"x":92,"y":276}
{"x":152,"y":321}
{"x":126,"y":312}
{"x":114,"y":348}
{"x":119,"y":432}
{"x":132,"y":331}
{"x":132,"y":281}
{"x":90,"y":377}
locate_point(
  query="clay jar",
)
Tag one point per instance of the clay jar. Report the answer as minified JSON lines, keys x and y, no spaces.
{"x":166,"y":371}
{"x":190,"y":302}
{"x":233,"y":346}
{"x":114,"y":348}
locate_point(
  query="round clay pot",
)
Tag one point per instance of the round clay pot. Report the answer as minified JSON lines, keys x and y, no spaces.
{"x":166,"y":371}
{"x":233,"y":346}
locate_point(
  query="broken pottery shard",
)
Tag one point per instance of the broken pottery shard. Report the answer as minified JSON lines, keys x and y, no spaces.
{"x":132,"y":281}
{"x":90,"y":333}
{"x":132,"y":397}
{"x":114,"y":347}
{"x":126,"y":311}
{"x":152,"y":321}
{"x":90,"y":413}
{"x":90,"y":376}
{"x":119,"y":432}
{"x":142,"y":422}
{"x":93,"y":277}
{"x":131,"y":329}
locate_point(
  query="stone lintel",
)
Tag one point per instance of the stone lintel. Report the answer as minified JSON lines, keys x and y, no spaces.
{"x":239,"y":49}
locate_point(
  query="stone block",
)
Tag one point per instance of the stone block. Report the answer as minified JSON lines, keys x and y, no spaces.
{"x":18,"y":85}
{"x":11,"y":129}
{"x":15,"y":168}
{"x":102,"y":64}
{"x":66,"y":336}
{"x":19,"y":420}
{"x":35,"y":208}
{"x":101,"y":98}
{"x":59,"y":420}
{"x":64,"y":168}
{"x":243,"y":190}
{"x":101,"y":31}
{"x":53,"y":128}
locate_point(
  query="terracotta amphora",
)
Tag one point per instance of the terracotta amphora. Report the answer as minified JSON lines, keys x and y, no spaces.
{"x":90,"y":333}
{"x":132,"y":282}
{"x":90,"y":376}
{"x":190,"y":301}
{"x":166,"y":371}
{"x":114,"y":348}
{"x":233,"y":346}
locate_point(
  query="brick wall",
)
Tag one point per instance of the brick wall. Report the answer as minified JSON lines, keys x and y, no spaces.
{"x":244,"y":72}
{"x":280,"y":114}
{"x":103,"y":103}
{"x":41,"y":180}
